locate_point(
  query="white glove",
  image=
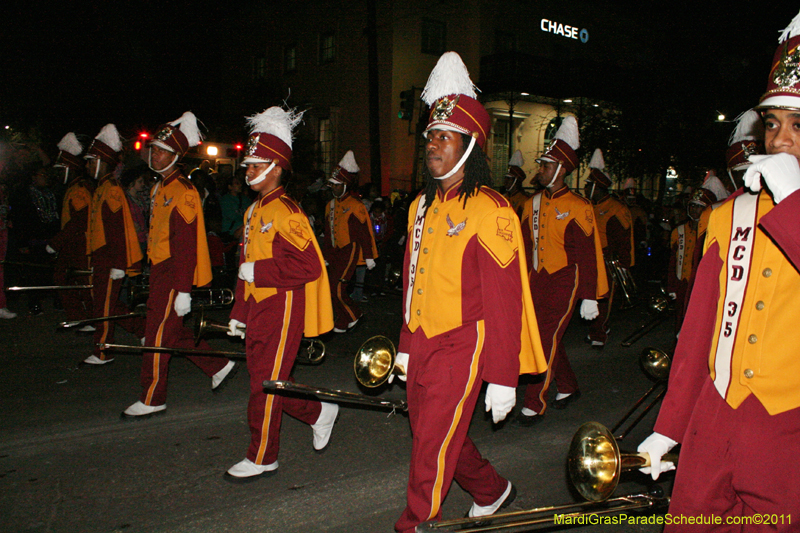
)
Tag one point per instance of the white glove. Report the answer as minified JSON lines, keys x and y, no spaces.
{"x":400,"y":361}
{"x":247,"y":272}
{"x":673,"y":295}
{"x":116,"y":274}
{"x":370,"y":263}
{"x":183,"y":303}
{"x":780,"y":172}
{"x":500,"y":401}
{"x":50,"y":249}
{"x":589,"y":310}
{"x":236,"y":328}
{"x":657,"y":445}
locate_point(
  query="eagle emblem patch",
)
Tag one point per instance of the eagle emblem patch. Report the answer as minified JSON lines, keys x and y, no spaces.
{"x":560,"y":215}
{"x":265,"y":227}
{"x":455,"y":229}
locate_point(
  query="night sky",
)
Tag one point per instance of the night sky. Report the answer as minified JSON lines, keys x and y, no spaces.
{"x":76,"y":66}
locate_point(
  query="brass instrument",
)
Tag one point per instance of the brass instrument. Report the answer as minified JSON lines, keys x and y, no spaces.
{"x":595,"y":465}
{"x":311,"y":351}
{"x":165,"y":349}
{"x":658,"y":306}
{"x":208,"y":298}
{"x":621,"y":277}
{"x":72,"y":272}
{"x":139,"y":311}
{"x":656,"y":365}
{"x":49,"y":288}
{"x":374,"y":363}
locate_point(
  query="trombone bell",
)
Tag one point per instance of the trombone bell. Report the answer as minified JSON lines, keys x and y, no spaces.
{"x":375,"y":362}
{"x":655,"y":363}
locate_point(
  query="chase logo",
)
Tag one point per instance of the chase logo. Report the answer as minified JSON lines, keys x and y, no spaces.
{"x":564,"y":30}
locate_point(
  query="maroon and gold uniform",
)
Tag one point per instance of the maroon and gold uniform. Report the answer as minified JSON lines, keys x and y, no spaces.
{"x":517,"y":201}
{"x":614,"y":224}
{"x":348,"y":241}
{"x":288,"y":298}
{"x":112,"y":243}
{"x":467,"y":309}
{"x":562,"y":247}
{"x":178,"y":253}
{"x":70,"y":243}
{"x":739,"y":348}
{"x":683,"y":244}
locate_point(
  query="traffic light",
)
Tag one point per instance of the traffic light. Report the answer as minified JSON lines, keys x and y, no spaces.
{"x":406,"y":105}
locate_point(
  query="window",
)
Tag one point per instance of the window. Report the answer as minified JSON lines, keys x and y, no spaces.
{"x":259,"y":68}
{"x":327,"y":48}
{"x":499,"y":163}
{"x":290,"y":58}
{"x":434,"y":38}
{"x":325,"y":145}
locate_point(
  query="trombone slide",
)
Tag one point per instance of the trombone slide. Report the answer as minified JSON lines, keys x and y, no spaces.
{"x":49,"y":288}
{"x":336,"y":395}
{"x":165,"y":349}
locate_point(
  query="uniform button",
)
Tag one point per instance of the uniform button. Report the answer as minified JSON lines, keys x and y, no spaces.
{"x":767,"y":272}
{"x":748,"y":373}
{"x":424,"y":250}
{"x":759,"y":305}
{"x":419,"y":291}
{"x":435,"y":210}
{"x":419,"y":312}
{"x":542,"y":249}
{"x":421,"y":270}
{"x":430,"y":230}
{"x":752,"y":339}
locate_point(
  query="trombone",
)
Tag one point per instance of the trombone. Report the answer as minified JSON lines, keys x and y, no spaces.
{"x":656,"y":364}
{"x":49,"y":287}
{"x":311,"y":352}
{"x":375,"y":361}
{"x":622,"y":277}
{"x":658,"y":306}
{"x":595,"y":464}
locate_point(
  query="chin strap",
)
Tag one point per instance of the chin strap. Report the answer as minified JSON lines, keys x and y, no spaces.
{"x":66,"y":175}
{"x":460,"y":161}
{"x":730,"y":175}
{"x":552,"y":181}
{"x":150,"y":162}
{"x":261,"y":177}
{"x":591,"y":194}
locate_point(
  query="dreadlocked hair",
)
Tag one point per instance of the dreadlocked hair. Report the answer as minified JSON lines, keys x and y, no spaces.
{"x":476,"y":174}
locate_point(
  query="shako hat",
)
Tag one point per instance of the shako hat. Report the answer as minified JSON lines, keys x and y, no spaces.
{"x":451,"y":96}
{"x":271,"y":137}
{"x":747,"y":139}
{"x":597,"y":165}
{"x":783,"y":84}
{"x":69,"y":153}
{"x":515,"y":167}
{"x":106,"y":146}
{"x":346,"y":171}
{"x":179,"y":135}
{"x":712,"y":184}
{"x":565,"y":142}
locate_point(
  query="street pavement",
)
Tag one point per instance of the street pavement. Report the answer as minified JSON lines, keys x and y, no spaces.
{"x":68,"y":463}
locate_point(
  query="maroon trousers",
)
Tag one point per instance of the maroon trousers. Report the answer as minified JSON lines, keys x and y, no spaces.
{"x":343,"y":262}
{"x":274,"y":331}
{"x":105,"y":302}
{"x":78,"y":303}
{"x":737,"y":462}
{"x":165,"y":328}
{"x":444,"y":381}
{"x":554,"y":299}
{"x":599,"y":328}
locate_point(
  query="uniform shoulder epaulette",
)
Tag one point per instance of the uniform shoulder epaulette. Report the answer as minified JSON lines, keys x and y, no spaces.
{"x":290,"y":204}
{"x":495,"y":196}
{"x":185,"y":182}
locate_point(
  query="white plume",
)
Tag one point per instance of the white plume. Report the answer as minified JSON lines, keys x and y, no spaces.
{"x":713,"y":184}
{"x":110,"y":136}
{"x":449,"y":76}
{"x":188,"y":126}
{"x":70,"y":144}
{"x":568,"y":132}
{"x":791,"y":30}
{"x":597,"y":160}
{"x":748,"y":128}
{"x":276,"y":121}
{"x":348,"y":163}
{"x":516,"y":160}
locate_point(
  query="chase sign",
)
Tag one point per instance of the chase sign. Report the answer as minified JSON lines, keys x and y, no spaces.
{"x":570,"y":32}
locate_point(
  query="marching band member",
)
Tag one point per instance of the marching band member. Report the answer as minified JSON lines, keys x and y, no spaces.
{"x":734,"y":391}
{"x":178,"y":253}
{"x":70,"y":242}
{"x":614,"y":224}
{"x":348,"y":240}
{"x":282,"y":294}
{"x":562,"y":246}
{"x":468,"y":316}
{"x":514,"y":179}
{"x":112,"y":242}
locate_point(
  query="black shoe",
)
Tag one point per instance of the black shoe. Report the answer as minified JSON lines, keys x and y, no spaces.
{"x":563,"y":403}
{"x":527,"y":421}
